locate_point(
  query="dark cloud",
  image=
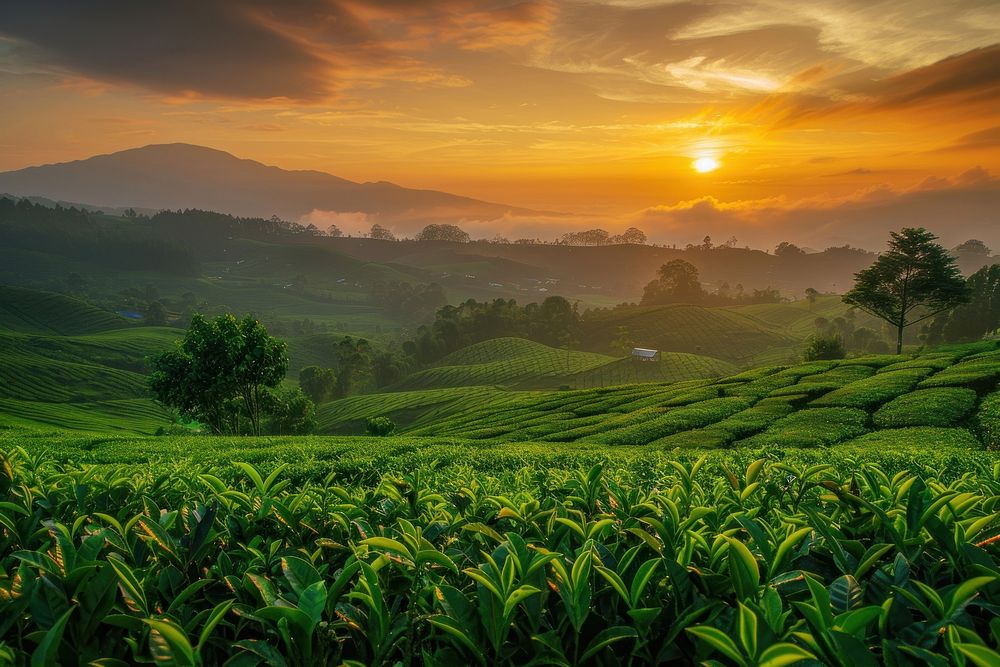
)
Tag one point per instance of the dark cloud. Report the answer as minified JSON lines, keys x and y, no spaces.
{"x":956,"y":84}
{"x":210,"y":47}
{"x":988,"y":138}
{"x":972,"y":76}
{"x":860,"y":171}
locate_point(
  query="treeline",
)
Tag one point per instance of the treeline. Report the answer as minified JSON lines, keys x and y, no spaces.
{"x":970,"y":321}
{"x":77,"y":234}
{"x":678,"y":281}
{"x":553,"y":322}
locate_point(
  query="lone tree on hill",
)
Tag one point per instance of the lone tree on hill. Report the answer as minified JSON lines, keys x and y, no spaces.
{"x":915,"y":280}
{"x":676,"y":282}
{"x":221,"y":372}
{"x":443,"y":233}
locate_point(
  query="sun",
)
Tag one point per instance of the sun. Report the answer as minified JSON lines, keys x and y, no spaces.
{"x":703,"y":165}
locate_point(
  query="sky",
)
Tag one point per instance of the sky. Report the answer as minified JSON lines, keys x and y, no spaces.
{"x":599,"y":107}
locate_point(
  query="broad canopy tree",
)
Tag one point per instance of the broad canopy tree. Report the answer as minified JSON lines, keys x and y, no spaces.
{"x":676,"y":282}
{"x":221,"y":372}
{"x":915,"y":280}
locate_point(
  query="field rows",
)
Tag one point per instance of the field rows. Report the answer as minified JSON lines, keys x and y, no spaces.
{"x":301,"y":551}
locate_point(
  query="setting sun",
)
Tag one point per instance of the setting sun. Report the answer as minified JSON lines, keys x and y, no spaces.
{"x":704,"y":165}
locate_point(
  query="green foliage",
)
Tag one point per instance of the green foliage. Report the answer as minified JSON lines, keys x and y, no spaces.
{"x":808,"y":428}
{"x":927,"y":407}
{"x":220,"y":372}
{"x":825,"y":347}
{"x":870,"y":392}
{"x":486,"y":555}
{"x":988,"y":420}
{"x":975,"y":319}
{"x":318,"y":383}
{"x":676,"y":282}
{"x":914,"y":280}
{"x":290,"y":412}
{"x":380,"y":426}
{"x":913,"y":438}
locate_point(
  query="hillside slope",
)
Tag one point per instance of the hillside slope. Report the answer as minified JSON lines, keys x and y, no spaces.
{"x":714,"y":332}
{"x":948,"y":396}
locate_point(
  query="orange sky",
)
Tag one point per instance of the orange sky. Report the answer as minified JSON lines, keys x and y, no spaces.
{"x":597,"y":106}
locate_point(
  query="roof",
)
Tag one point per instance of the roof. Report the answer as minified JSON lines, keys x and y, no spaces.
{"x":643,"y":352}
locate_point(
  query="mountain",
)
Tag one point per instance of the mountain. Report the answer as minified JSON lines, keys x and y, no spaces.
{"x":171,"y":176}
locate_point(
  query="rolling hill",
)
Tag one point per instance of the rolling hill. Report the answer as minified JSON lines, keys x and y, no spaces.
{"x":720,"y":333}
{"x":949,"y":396}
{"x":504,"y":361}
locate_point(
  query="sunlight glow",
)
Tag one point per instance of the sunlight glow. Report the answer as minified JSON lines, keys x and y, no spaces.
{"x":703,"y":165}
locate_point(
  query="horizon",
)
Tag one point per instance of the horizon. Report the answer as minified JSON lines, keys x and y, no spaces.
{"x":656,"y":110}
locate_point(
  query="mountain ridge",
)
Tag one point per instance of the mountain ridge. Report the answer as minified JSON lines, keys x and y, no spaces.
{"x":184,"y":175}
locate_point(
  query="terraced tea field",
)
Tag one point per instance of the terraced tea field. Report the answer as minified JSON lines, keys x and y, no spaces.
{"x":818,"y":403}
{"x":504,"y":361}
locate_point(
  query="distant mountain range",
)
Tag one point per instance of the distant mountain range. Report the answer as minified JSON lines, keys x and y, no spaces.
{"x":172,"y":176}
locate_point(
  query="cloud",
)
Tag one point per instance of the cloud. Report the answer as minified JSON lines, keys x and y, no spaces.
{"x":988,"y":138}
{"x":207,"y":47}
{"x":968,"y":83}
{"x":956,"y":208}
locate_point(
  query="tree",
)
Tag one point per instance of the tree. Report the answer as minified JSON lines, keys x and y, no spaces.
{"x":915,"y":280}
{"x":825,"y":347}
{"x":443,"y":233}
{"x":786,"y":249}
{"x":290,"y":412}
{"x":379,"y":426}
{"x":319,"y":384}
{"x":973,"y":320}
{"x":811,"y":295}
{"x":382,"y":233}
{"x":156,"y":314}
{"x":354,"y":363}
{"x":220,"y":372}
{"x":334,"y":231}
{"x":588,"y":237}
{"x":676,"y":282}
{"x":973,"y":247}
{"x":632,"y":235}
{"x":623,"y":343}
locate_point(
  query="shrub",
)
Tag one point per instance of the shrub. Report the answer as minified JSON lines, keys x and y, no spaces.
{"x":923,"y":437}
{"x":379,"y":426}
{"x":927,"y":407}
{"x":873,"y":390}
{"x":980,"y":374}
{"x":809,"y":428}
{"x":988,"y":421}
{"x":825,"y":347}
{"x":672,"y":421}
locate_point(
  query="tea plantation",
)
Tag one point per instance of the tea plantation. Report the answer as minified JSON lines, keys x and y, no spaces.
{"x":827,"y":513}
